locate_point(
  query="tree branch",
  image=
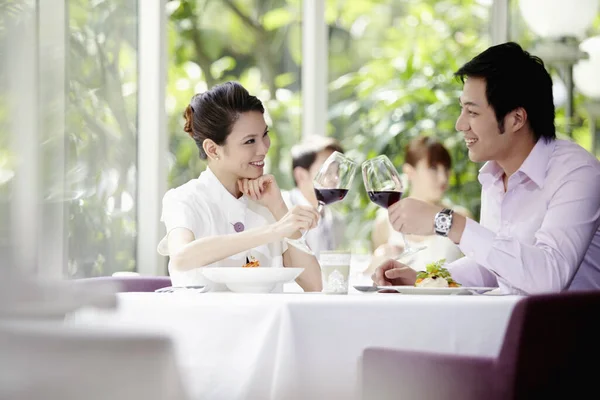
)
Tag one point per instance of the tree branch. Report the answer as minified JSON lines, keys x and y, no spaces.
{"x":265,"y":54}
{"x":112,"y":92}
{"x":246,"y":19}
{"x":203,"y":59}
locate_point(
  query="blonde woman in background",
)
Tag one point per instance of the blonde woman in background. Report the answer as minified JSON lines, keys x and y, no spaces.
{"x":427,"y":168}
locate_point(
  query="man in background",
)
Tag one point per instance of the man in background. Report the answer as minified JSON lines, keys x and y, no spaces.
{"x":307,"y":159}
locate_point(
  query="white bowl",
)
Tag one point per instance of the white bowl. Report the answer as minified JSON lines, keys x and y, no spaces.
{"x":251,"y":280}
{"x":251,"y":287}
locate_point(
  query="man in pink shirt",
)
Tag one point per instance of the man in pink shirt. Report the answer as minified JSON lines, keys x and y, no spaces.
{"x":540,"y":199}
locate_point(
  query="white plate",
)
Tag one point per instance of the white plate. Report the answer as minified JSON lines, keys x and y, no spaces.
{"x":251,"y":280}
{"x":463,"y":290}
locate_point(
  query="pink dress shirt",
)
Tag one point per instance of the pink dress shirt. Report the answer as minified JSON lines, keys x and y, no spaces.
{"x":542,"y":234}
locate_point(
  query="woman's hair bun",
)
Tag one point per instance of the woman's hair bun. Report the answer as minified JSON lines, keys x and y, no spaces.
{"x":188,"y":115}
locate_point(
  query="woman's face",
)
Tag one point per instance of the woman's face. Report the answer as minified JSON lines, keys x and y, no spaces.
{"x":428,"y":182}
{"x":246,"y":147}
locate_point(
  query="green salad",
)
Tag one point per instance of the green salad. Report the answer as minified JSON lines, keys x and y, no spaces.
{"x":436,"y":270}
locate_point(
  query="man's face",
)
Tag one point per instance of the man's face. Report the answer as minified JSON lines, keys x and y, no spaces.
{"x":477,"y":121}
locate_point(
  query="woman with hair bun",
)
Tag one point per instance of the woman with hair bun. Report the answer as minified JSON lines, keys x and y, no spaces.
{"x":232,"y":212}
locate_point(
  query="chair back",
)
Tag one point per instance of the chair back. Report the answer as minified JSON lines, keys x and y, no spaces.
{"x":132,"y":283}
{"x":548,"y":346}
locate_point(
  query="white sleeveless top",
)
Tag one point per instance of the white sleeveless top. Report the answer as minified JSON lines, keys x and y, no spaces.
{"x":206,"y":208}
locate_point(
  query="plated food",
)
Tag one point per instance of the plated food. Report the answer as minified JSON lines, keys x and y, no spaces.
{"x":251,"y":263}
{"x":436,"y":276}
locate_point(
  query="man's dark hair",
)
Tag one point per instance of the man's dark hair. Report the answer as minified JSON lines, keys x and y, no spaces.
{"x":305,"y":153}
{"x":514,"y":78}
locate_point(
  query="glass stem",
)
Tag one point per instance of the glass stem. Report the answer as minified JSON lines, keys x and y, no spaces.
{"x":320,"y":207}
{"x":407,"y":247}
{"x":319,"y":210}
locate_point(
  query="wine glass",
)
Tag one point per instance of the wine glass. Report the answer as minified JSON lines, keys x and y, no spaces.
{"x":385,"y":188}
{"x":332,"y":183}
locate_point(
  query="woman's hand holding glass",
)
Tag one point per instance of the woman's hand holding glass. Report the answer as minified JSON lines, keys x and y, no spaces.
{"x":331,"y":184}
{"x":265,"y":191}
{"x":299,"y":218}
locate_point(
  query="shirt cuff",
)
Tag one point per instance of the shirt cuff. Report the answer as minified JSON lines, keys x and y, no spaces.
{"x":468,"y":273}
{"x":476,"y":242}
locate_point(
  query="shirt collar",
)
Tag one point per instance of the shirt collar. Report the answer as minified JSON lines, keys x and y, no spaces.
{"x":489,"y":173}
{"x":234,"y":209}
{"x":534,"y":167}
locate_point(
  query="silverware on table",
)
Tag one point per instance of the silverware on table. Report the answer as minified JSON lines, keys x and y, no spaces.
{"x":172,"y":289}
{"x":366,"y":288}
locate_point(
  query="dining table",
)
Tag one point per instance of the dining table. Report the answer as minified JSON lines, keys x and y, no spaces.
{"x":300,"y":345}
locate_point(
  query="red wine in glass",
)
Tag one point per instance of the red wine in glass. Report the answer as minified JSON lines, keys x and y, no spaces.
{"x":384,"y":198}
{"x":329,"y":196}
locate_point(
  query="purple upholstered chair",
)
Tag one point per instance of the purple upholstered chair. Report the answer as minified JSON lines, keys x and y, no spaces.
{"x":131,"y":283}
{"x":551,"y":350}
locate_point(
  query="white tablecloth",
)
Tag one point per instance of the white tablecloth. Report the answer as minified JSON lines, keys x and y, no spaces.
{"x":302,"y":346}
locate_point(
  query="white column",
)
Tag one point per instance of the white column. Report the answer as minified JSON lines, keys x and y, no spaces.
{"x":21,"y":65}
{"x":314,"y":68}
{"x":53,"y":229}
{"x":499,"y":22}
{"x":152,"y":134}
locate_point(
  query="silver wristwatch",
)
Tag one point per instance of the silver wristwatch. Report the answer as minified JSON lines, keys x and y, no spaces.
{"x":443,"y":222}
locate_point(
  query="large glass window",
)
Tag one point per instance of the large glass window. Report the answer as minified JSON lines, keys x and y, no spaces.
{"x":16,"y":18}
{"x":101,"y":130}
{"x":390,"y":65}
{"x":390,"y":71}
{"x":68,"y":162}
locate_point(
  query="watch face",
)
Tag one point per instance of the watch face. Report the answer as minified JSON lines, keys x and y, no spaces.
{"x":442,"y":223}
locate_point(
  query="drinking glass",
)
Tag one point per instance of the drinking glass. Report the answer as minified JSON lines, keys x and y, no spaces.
{"x":385,"y":188}
{"x":332,"y":183}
